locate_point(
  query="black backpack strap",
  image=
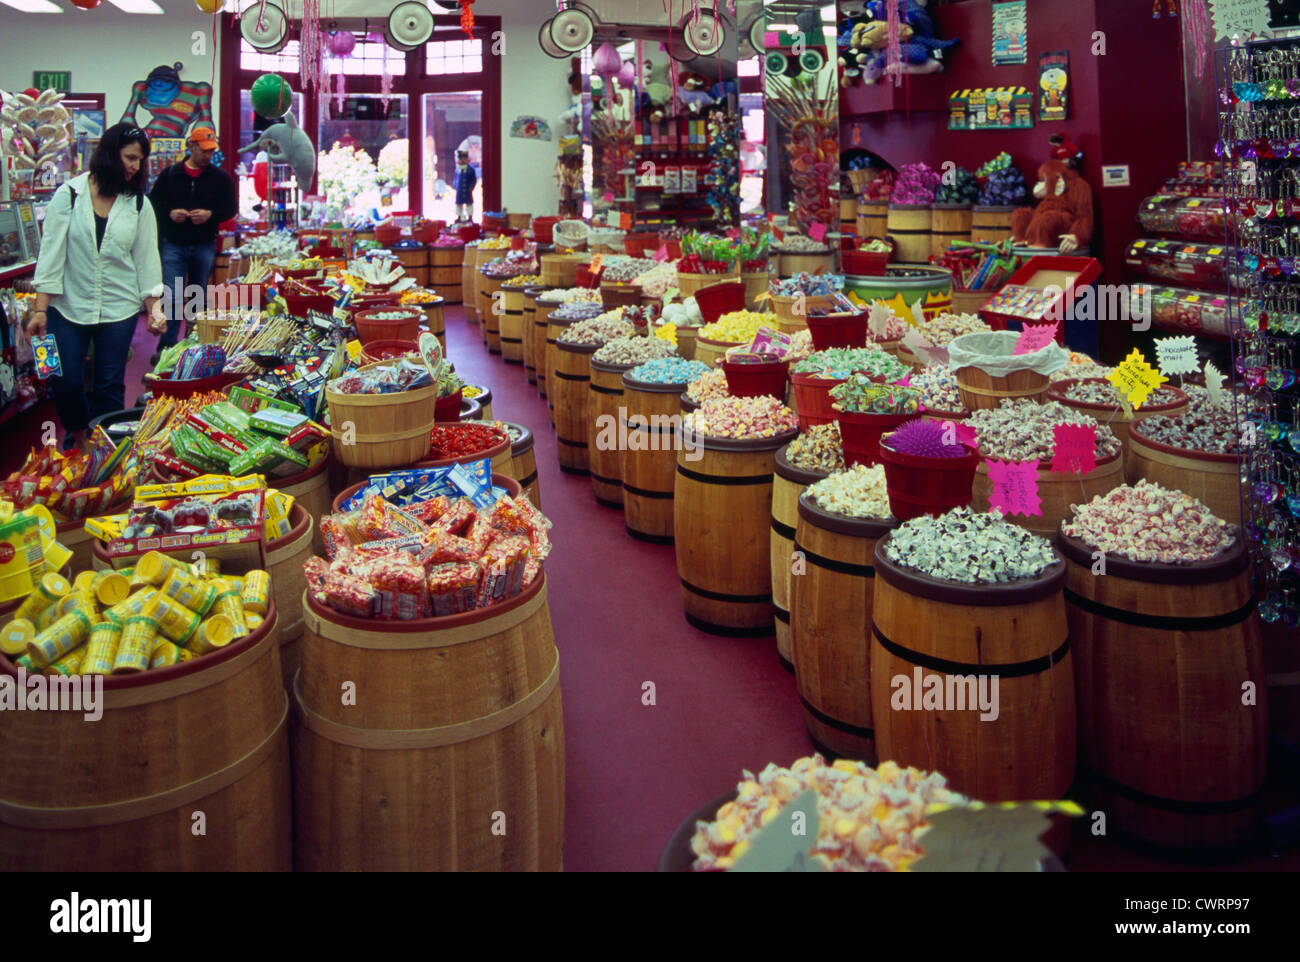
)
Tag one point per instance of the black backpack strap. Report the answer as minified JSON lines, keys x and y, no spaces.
{"x":139,"y":203}
{"x":72,"y":205}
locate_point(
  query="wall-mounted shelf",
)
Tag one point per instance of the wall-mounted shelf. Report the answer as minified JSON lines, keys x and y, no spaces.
{"x":919,"y":92}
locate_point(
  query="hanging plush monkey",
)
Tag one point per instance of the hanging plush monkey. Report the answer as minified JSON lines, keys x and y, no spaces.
{"x":1063,"y":218}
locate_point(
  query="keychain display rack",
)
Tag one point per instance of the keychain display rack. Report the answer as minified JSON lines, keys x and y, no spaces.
{"x":1260,"y":145}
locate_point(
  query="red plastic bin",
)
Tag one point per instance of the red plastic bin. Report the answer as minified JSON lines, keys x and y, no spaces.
{"x":838,"y":330}
{"x":757,"y":379}
{"x":919,"y":485}
{"x":403,"y":328}
{"x":718,"y":299}
{"x":860,"y":433}
{"x":300,"y":304}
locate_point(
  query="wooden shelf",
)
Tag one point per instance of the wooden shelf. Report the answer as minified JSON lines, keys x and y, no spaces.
{"x":920,"y":92}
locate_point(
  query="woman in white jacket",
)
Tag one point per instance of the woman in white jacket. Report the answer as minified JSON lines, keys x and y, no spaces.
{"x":98,"y":263}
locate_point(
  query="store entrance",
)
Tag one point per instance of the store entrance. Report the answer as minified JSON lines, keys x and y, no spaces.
{"x":453,"y":121}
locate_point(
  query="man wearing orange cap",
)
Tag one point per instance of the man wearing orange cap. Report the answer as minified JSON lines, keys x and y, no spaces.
{"x":190,"y":199}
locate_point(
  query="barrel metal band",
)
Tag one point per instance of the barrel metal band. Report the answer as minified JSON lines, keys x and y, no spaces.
{"x":1182,"y":806}
{"x":724,"y":479}
{"x":410,"y":640}
{"x":615,"y":482}
{"x":783,"y":614}
{"x":116,"y":813}
{"x":830,"y":564}
{"x":719,"y":596}
{"x":835,"y":723}
{"x":511,"y":340}
{"x":572,"y":444}
{"x":1162,"y":622}
{"x":647,"y":427}
{"x":1018,"y":669}
{"x":525,"y":482}
{"x":378,"y":738}
{"x":617,"y":392}
{"x":782,"y":529}
{"x":572,"y":377}
{"x":643,"y":493}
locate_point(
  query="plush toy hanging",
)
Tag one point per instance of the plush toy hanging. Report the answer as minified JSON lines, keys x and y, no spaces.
{"x":175,"y":104}
{"x":287,"y":143}
{"x":1063,"y":218}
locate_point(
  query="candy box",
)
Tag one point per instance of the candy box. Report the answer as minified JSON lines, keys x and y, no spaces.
{"x":212,"y":523}
{"x":45,"y":350}
{"x":277,"y":422}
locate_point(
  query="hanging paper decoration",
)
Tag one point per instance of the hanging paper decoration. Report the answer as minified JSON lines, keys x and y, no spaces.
{"x":467,"y":17}
{"x":1196,"y":18}
{"x":386,"y":78}
{"x":894,"y":43}
{"x":342,"y":43}
{"x":311,"y":48}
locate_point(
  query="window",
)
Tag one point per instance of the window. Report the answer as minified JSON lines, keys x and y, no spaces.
{"x":286,"y":61}
{"x":364,"y":153}
{"x":368,"y":59}
{"x":453,"y":57}
{"x":452,"y":122}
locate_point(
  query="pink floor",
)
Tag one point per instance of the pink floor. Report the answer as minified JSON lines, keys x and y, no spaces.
{"x":722,"y":704}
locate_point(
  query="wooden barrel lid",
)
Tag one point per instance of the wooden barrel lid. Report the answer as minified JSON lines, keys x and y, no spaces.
{"x":1021,"y":592}
{"x":1227,"y":565}
{"x":653,"y":387}
{"x":741,"y":445}
{"x":816,"y":515}
{"x":795,"y":474}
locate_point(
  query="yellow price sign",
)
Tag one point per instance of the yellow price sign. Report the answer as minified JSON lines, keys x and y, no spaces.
{"x":1135,"y":379}
{"x":354,"y":349}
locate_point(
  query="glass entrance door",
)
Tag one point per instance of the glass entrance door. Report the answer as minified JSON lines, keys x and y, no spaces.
{"x":452,"y":121}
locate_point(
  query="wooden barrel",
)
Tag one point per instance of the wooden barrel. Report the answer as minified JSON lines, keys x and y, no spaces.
{"x":554,"y":329}
{"x":619,"y":294}
{"x":445,"y":272}
{"x":949,"y":224}
{"x":481,"y":257}
{"x":571,"y":375}
{"x":830,"y":619}
{"x":511,"y":324}
{"x":1169,"y":751}
{"x":873,"y":218}
{"x":969,"y":302}
{"x":1211,"y":478}
{"x":721,"y":498}
{"x":518,"y":221}
{"x":1115,"y":417}
{"x":534,"y":336}
{"x":416,"y":262}
{"x":710,"y":351}
{"x":686,"y":338}
{"x":604,"y":453}
{"x":689,"y":284}
{"x":490,"y":308}
{"x":756,"y":284}
{"x":990,"y":225}
{"x":791,"y":313}
{"x":652,"y":414}
{"x":1015,"y":633}
{"x":436,"y":322}
{"x":523,"y":464}
{"x":849,"y":215}
{"x":1057,"y":490}
{"x":979,"y":389}
{"x":910,"y":227}
{"x":462,"y":772}
{"x":121,"y":795}
{"x":221,"y":267}
{"x":787,"y":484}
{"x":386,"y":430}
{"x":311,"y":489}
{"x":468,"y":277}
{"x":284,"y":561}
{"x":561,"y":270}
{"x":788,"y":265}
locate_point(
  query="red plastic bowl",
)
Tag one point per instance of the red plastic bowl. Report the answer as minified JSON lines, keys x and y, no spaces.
{"x":919,"y":485}
{"x":542,"y":227}
{"x":387,"y":234}
{"x":370,"y":328}
{"x":812,"y":399}
{"x":383,"y":350}
{"x":865,"y":262}
{"x":300,"y":304}
{"x":469,"y":232}
{"x":718,"y":299}
{"x":755,"y":380}
{"x":860,"y":434}
{"x":164,"y":384}
{"x":838,"y":330}
{"x":448,"y":408}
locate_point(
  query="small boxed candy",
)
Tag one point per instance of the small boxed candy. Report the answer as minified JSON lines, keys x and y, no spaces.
{"x":208,"y":522}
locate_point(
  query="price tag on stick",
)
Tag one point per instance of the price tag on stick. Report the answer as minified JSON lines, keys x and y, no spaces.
{"x":1177,"y":355}
{"x":1075,"y":448}
{"x":1015,"y":487}
{"x":1035,"y":337}
{"x":817,"y":231}
{"x":1135,"y":378}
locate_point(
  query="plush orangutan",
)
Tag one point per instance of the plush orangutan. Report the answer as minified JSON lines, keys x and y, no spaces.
{"x":1063,"y":217}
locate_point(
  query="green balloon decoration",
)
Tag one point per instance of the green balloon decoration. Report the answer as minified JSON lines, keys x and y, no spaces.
{"x":271,"y":96}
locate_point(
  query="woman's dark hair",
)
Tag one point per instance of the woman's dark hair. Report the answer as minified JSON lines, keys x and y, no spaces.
{"x":106,"y":162}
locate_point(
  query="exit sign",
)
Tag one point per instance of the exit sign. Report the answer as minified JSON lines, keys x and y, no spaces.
{"x":60,"y":80}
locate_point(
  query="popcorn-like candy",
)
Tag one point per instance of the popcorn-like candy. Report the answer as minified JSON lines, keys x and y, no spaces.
{"x":1148,"y":523}
{"x":969,"y":547}
{"x":1021,"y":430}
{"x":741,"y":417}
{"x":858,"y":492}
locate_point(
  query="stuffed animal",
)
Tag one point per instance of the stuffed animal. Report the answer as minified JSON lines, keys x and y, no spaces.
{"x":922,"y":51}
{"x":656,"y":90}
{"x":1063,"y":218}
{"x":692,"y":91}
{"x":287,"y":143}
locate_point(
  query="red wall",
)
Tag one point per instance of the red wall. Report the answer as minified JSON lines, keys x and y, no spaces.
{"x":1126,"y":107}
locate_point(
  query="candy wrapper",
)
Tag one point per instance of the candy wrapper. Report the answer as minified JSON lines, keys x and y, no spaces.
{"x":453,"y":588}
{"x":350,"y":594}
{"x":45,"y":352}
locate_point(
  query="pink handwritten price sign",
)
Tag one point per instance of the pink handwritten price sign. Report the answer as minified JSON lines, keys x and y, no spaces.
{"x":661,"y":255}
{"x":817,"y":231}
{"x":609,"y":197}
{"x":1015,"y":487}
{"x":1075,"y":448}
{"x":967,"y":436}
{"x":1035,"y":337}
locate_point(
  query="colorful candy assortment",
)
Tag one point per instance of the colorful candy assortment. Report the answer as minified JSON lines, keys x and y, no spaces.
{"x":861,"y":395}
{"x":1148,"y":523}
{"x":817,"y":449}
{"x":741,"y":417}
{"x":969,"y":547}
{"x":669,"y":370}
{"x":633,"y":350}
{"x":870,"y":820}
{"x":1021,"y":430}
{"x":841,"y":362}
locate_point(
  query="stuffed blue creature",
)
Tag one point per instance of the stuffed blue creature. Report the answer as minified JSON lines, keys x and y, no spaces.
{"x":287,"y":143}
{"x":922,"y":50}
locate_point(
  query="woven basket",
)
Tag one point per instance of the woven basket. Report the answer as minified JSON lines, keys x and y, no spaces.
{"x":571,"y":234}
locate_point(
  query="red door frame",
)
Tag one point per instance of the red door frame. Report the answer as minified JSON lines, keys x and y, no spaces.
{"x":414,"y":84}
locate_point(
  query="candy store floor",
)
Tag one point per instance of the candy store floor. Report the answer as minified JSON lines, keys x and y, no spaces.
{"x":722,"y":704}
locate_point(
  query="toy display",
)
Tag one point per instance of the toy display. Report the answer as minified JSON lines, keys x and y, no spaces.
{"x":36,"y":132}
{"x":1063,"y":218}
{"x":175,"y":104}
